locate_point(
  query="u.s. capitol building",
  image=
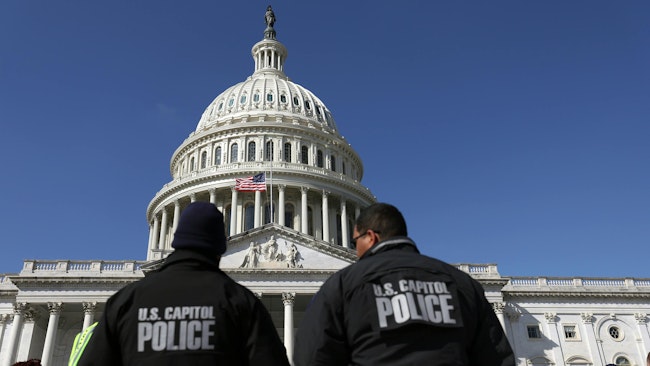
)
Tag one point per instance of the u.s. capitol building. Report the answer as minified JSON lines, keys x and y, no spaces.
{"x":286,"y":241}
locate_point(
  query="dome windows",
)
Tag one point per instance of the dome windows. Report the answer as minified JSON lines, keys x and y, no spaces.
{"x":269,"y":97}
{"x":307,"y":105}
{"x":217,"y":156}
{"x":256,"y":97}
{"x":234,"y":150}
{"x":268,"y":152}
{"x":304,"y":155}
{"x":242,"y":99}
{"x":251,"y":151}
{"x":220,"y":106}
{"x":204,"y":159}
{"x":231,"y":102}
{"x":283,"y":99}
{"x":287,"y":152}
{"x":296,"y":101}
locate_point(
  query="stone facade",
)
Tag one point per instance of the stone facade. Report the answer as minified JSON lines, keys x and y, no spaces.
{"x":285,"y":242}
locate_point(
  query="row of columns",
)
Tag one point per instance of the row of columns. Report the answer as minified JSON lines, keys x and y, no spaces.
{"x":159,"y":233}
{"x":23,"y":313}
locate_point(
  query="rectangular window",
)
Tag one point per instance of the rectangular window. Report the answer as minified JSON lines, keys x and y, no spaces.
{"x":570,"y":332}
{"x":533,"y":332}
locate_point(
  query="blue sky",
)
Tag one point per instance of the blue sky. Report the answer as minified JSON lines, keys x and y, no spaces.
{"x":507,"y":132}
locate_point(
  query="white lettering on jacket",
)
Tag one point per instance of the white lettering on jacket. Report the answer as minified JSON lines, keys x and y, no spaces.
{"x":421,"y":301}
{"x":181,"y":328}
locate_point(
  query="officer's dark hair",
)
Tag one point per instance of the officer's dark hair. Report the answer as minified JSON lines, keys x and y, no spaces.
{"x":383,"y":218}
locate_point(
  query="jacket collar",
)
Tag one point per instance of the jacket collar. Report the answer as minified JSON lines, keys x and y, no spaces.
{"x":190,"y":256}
{"x":398,"y":242}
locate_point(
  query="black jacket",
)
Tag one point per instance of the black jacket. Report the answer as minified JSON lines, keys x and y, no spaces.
{"x":189,"y":312}
{"x":398,"y":307}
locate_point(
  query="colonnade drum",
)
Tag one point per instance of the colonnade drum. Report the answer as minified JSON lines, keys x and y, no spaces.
{"x":316,"y":213}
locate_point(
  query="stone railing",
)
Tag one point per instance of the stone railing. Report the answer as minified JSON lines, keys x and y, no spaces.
{"x":573,"y":282}
{"x":479,"y":269}
{"x":80,"y":267}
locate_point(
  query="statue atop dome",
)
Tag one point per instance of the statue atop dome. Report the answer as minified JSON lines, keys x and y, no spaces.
{"x":269,"y":18}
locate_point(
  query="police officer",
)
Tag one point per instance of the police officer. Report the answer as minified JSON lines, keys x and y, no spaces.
{"x":188,"y":312}
{"x":398,"y":307}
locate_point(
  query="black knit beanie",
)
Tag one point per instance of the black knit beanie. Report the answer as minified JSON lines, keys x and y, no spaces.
{"x":201,"y":228}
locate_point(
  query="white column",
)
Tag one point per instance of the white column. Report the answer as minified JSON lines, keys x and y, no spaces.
{"x":551,"y":321}
{"x":288,"y":299}
{"x":50,"y":336}
{"x":192,"y":197}
{"x":344,"y":224}
{"x":592,"y":342}
{"x":281,"y":204}
{"x":326,"y":218}
{"x":233,"y":212}
{"x":89,"y":313}
{"x":177,"y":216}
{"x":498,"y":308}
{"x":304,"y":213}
{"x":156,"y":232}
{"x":163,"y":230}
{"x":258,"y":209}
{"x":17,"y":324}
{"x":4,"y":318}
{"x":641,"y":321}
{"x":213,"y":196}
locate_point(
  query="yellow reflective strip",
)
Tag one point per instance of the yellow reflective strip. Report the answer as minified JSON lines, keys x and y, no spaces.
{"x":79,"y":347}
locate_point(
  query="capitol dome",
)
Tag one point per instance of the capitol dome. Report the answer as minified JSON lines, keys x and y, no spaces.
{"x":265,"y":124}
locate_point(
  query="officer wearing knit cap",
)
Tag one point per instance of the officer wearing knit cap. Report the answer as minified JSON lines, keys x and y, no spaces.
{"x":188,"y":312}
{"x":201,"y":228}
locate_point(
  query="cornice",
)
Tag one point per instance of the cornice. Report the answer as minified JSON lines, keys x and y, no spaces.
{"x":574,"y":294}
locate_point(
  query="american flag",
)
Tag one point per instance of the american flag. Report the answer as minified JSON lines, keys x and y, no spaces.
{"x":254,"y":183}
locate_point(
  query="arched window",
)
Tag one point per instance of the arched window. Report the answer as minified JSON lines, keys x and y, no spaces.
{"x":622,"y":361}
{"x":268,"y":152}
{"x":319,"y":158}
{"x":249,"y":216}
{"x":310,"y":221}
{"x":287,"y":152}
{"x":283,"y":98}
{"x":242,"y":99}
{"x":269,"y":97}
{"x":227,"y":215}
{"x":339,"y":230}
{"x":343,"y":166}
{"x":251,"y":151}
{"x":204,"y":159}
{"x":256,"y":97}
{"x":289,"y":214}
{"x":192,"y":164}
{"x":268,"y":216}
{"x":233,"y":153}
{"x":296,"y":101}
{"x":333,"y":163}
{"x":307,"y":105}
{"x":217,"y":156}
{"x":304,"y":155}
